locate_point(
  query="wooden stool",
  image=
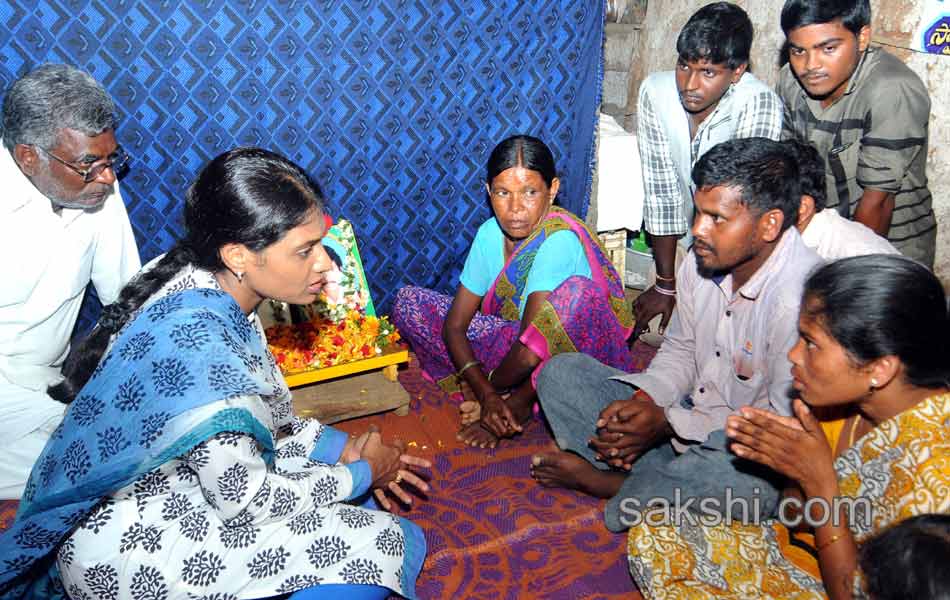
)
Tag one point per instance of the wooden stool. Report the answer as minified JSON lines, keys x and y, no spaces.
{"x":351,"y":390}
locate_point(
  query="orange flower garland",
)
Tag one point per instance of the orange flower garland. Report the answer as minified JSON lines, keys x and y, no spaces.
{"x":322,"y":342}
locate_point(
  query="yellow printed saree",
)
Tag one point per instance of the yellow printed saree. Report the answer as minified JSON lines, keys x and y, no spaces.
{"x":902,"y":467}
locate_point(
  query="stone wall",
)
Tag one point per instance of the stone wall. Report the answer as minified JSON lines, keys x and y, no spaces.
{"x":620,"y":43}
{"x":894,"y":23}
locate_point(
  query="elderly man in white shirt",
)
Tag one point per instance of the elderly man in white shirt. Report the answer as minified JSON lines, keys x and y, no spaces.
{"x":62,"y":225}
{"x":826,"y":231}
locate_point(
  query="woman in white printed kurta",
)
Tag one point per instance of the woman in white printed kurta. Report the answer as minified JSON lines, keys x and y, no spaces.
{"x":220,"y":518}
{"x":179,"y":470}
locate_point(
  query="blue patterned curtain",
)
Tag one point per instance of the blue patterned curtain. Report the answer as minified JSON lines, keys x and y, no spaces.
{"x":392,"y":105}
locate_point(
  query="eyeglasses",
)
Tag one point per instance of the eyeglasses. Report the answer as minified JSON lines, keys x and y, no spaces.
{"x":116,"y":161}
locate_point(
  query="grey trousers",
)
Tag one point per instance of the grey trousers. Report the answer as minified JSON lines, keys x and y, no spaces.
{"x":574,"y":388}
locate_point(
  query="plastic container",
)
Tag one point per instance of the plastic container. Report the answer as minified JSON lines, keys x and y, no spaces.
{"x":637,"y":268}
{"x":639,"y":260}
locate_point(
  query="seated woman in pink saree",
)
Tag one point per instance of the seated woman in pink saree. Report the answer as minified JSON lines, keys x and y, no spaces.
{"x":536,"y":283}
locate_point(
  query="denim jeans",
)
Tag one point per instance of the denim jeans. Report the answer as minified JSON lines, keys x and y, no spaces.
{"x":574,"y":388}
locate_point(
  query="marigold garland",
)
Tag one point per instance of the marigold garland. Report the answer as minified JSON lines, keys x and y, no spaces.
{"x":325,"y":341}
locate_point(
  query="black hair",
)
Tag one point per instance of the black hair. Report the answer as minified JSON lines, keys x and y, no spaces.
{"x":885,"y":305}
{"x":853,"y":14}
{"x":908,"y":560}
{"x":336,"y":258}
{"x":245,"y":196}
{"x":522,"y":151}
{"x":811,"y":169}
{"x":720,"y":33}
{"x":763,"y":170}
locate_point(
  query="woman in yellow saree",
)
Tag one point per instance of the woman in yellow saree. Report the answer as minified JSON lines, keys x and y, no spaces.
{"x":874,"y":351}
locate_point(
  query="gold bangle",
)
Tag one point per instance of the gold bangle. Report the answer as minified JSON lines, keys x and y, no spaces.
{"x":467,"y":366}
{"x":490,"y":373}
{"x":831,"y":540}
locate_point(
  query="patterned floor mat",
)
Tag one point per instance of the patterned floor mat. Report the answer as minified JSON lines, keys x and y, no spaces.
{"x":492,"y":531}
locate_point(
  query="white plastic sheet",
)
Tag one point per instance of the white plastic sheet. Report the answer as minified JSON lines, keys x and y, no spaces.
{"x":620,"y":178}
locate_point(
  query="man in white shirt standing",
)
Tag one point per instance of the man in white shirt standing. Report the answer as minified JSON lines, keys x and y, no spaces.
{"x":62,"y":225}
{"x":826,"y":231}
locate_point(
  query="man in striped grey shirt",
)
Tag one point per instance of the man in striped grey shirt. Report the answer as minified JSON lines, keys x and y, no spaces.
{"x":867,"y":114}
{"x":710,"y":98}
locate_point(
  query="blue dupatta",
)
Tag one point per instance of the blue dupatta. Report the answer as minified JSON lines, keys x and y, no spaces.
{"x":141,"y":408}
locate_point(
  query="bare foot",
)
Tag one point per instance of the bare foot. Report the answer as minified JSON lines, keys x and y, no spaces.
{"x":466,"y":390}
{"x":521,"y":401}
{"x":470,"y":411}
{"x":477,"y":436}
{"x":568,"y":470}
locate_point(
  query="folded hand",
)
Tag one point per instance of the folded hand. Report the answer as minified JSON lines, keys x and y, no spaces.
{"x":627,"y":428}
{"x":392,"y":468}
{"x":792,"y":446}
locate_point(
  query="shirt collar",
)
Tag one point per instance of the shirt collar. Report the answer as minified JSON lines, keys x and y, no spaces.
{"x":818,"y":227}
{"x":20,"y":191}
{"x":860,"y":72}
{"x":774,"y":263}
